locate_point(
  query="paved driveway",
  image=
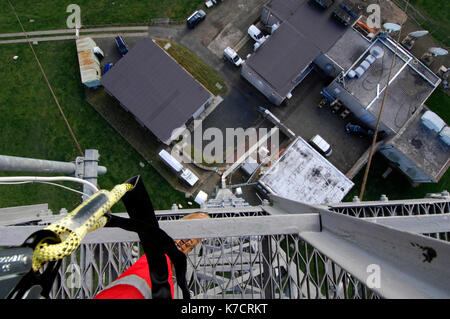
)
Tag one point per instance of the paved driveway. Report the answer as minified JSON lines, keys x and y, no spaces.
{"x":306,"y":119}
{"x":226,"y":25}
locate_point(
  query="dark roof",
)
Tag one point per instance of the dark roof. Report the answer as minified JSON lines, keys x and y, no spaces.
{"x":155,"y":89}
{"x":409,"y":88}
{"x":284,"y":58}
{"x":423,"y":146}
{"x":283,"y":8}
{"x":317,"y":25}
{"x":305,"y":31}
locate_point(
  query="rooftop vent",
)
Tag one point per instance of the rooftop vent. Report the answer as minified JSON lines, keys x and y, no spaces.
{"x":351,"y":74}
{"x":432,"y":121}
{"x":370,"y":59}
{"x":365,"y":65}
{"x":336,"y":91}
{"x":359,"y":71}
{"x":445,"y":135}
{"x":377,"y":52}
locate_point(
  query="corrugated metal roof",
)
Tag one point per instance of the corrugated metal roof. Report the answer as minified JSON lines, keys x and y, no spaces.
{"x":85,"y":44}
{"x":155,"y":89}
{"x":89,"y":65}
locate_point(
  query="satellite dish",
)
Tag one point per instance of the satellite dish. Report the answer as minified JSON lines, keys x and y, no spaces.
{"x":391,"y":27}
{"x":437,"y":51}
{"x":418,"y":34}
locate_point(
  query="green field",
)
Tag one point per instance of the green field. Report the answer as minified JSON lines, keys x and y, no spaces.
{"x":201,"y":71}
{"x":437,"y":13}
{"x":439,"y":102}
{"x":395,"y":186}
{"x":31,"y":126}
{"x":51,"y":14}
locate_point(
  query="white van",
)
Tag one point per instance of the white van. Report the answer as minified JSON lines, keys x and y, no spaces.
{"x":231,"y":55}
{"x":321,"y":145}
{"x":255,"y":33}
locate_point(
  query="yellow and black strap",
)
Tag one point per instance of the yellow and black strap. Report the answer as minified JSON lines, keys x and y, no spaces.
{"x":72,"y":228}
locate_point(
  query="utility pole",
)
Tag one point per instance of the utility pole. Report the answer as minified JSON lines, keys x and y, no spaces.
{"x":86,"y":167}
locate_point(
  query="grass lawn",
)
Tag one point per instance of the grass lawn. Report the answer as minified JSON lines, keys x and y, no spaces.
{"x":396,"y":186}
{"x":195,"y":66}
{"x":438,"y":13}
{"x":31,"y":126}
{"x":51,"y":14}
{"x":439,"y":102}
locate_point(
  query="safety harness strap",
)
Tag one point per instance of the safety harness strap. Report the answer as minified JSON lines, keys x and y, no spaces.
{"x":156,"y":243}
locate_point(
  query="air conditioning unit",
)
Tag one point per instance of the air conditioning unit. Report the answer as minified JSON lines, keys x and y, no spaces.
{"x":377,"y":52}
{"x":445,"y":135}
{"x":432,"y":121}
{"x":351,"y":74}
{"x":370,"y":59}
{"x":359,"y":71}
{"x":365,"y":65}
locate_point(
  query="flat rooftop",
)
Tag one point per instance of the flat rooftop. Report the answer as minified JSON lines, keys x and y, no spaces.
{"x":348,"y":48}
{"x":411,"y":83}
{"x":303,"y":175}
{"x":423,"y":146}
{"x":155,"y":88}
{"x":283,"y":57}
{"x":304,"y":32}
{"x":317,"y":24}
{"x":283,"y":9}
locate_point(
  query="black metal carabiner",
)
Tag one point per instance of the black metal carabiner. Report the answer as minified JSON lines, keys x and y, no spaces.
{"x":24,"y":283}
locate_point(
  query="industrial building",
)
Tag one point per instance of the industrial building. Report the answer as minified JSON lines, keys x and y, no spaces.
{"x":305,"y":36}
{"x":301,"y":174}
{"x":300,"y":31}
{"x":90,"y":70}
{"x":160,"y":94}
{"x":364,"y":79}
{"x":421,"y":153}
{"x":363,"y":66}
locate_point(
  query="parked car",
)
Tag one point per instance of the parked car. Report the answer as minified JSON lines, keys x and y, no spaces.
{"x":255,"y":33}
{"x":108,"y":67}
{"x":358,"y":130}
{"x":121,"y":45}
{"x":321,"y":145}
{"x":195,"y":18}
{"x":231,"y":55}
